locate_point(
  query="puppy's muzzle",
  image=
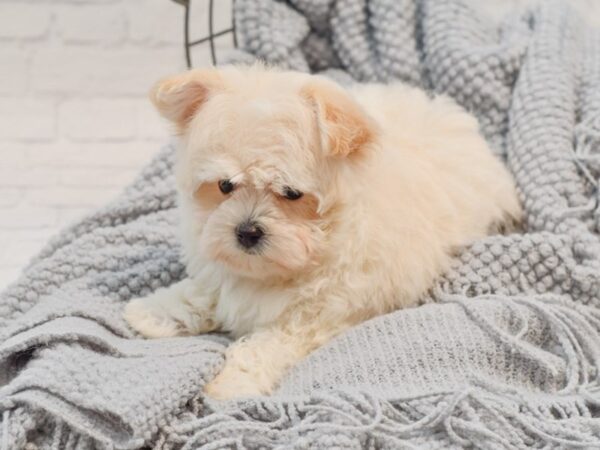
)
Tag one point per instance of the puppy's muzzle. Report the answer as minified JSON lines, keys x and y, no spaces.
{"x":249,"y":234}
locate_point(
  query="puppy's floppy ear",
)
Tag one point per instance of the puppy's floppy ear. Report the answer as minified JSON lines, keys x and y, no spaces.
{"x":345,"y":128}
{"x":177,"y":98}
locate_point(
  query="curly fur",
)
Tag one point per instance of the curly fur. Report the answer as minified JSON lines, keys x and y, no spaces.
{"x":393,"y":181}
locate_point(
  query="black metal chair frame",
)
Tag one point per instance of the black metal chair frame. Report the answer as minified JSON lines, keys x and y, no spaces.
{"x":212,"y":34}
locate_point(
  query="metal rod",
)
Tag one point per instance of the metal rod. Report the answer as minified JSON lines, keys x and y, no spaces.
{"x":235,"y":44}
{"x":186,"y":35}
{"x":210,"y":32}
{"x":207,"y":38}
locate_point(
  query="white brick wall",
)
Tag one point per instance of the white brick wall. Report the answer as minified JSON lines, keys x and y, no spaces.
{"x":75,"y":125}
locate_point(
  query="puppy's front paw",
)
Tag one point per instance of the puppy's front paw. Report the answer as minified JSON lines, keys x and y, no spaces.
{"x":149,"y":320}
{"x":231,"y":383}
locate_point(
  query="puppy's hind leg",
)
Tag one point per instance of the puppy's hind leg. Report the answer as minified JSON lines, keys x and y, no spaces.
{"x":179,"y":310}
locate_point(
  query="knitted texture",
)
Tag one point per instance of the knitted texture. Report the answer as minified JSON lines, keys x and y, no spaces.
{"x":504,"y":353}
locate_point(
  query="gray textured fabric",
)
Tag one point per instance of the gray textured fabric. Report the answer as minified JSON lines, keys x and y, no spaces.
{"x":505,"y":354}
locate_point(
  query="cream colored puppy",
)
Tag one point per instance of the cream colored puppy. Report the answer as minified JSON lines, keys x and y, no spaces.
{"x":307,"y":209}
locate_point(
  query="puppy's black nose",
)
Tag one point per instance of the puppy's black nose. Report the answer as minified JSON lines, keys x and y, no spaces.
{"x":249,"y":234}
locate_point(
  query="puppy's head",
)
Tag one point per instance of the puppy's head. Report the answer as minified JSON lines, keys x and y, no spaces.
{"x":259,"y":164}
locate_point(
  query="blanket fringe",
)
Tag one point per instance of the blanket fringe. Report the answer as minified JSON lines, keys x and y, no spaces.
{"x":5,"y":422}
{"x":575,"y":327}
{"x":470,"y":417}
{"x":481,"y":414}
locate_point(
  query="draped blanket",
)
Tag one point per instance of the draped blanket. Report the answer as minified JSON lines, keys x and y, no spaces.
{"x":503,"y":354}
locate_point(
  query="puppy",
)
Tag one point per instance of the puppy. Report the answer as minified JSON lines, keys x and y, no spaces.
{"x":307,"y":209}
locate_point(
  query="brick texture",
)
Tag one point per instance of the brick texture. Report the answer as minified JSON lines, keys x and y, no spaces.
{"x":80,"y":119}
{"x":19,"y":20}
{"x":75,"y":122}
{"x":13,"y":76}
{"x":102,"y":24}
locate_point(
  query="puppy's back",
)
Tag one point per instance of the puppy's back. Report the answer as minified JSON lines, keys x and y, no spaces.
{"x":433,"y":186}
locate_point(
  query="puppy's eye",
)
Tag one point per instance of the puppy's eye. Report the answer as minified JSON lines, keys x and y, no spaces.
{"x":226,"y":186}
{"x":291,"y":194}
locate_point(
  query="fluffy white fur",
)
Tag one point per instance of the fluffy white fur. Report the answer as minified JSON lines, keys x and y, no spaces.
{"x":393,"y":181}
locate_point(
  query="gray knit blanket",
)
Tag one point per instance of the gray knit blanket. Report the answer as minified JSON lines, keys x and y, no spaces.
{"x":504,"y":354}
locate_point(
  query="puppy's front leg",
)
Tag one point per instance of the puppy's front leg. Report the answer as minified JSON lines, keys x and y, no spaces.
{"x":254,"y":365}
{"x":178,"y":310}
